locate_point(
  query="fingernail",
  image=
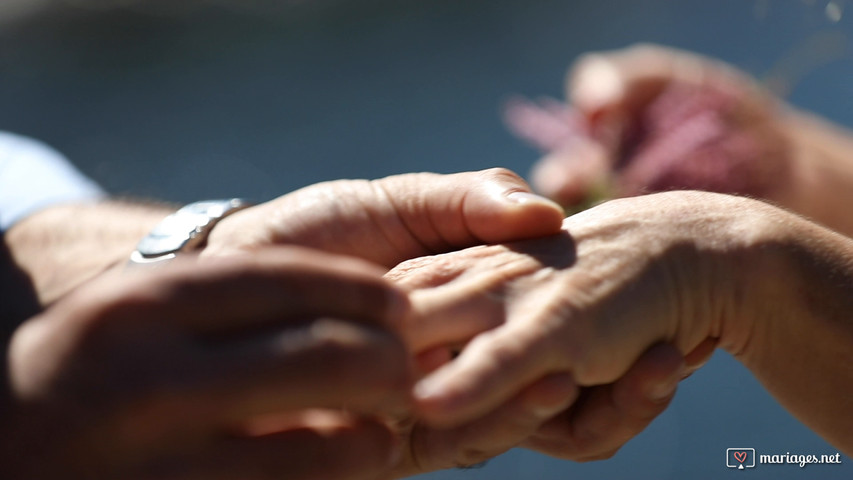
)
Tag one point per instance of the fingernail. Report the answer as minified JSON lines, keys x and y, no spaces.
{"x":524,"y":198}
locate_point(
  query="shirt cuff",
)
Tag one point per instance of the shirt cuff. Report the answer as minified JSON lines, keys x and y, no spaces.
{"x":34,"y":176}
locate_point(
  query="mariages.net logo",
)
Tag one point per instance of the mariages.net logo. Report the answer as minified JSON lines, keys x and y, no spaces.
{"x":743,"y":458}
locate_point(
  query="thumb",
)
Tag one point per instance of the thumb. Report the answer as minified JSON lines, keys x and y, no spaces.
{"x":396,"y":218}
{"x":441,"y":213}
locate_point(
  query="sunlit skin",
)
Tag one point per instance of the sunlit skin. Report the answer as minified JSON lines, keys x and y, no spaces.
{"x":692,"y":269}
{"x":148,"y":418}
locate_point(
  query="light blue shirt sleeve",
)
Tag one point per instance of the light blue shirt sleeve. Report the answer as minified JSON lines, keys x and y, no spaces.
{"x":34,"y":176}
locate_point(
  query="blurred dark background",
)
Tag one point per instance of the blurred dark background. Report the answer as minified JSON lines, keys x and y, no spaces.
{"x":184,"y":100}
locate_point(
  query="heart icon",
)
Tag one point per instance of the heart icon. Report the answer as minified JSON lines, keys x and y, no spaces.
{"x":740,"y":456}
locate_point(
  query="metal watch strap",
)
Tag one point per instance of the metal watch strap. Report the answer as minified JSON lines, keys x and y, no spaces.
{"x":185,"y":230}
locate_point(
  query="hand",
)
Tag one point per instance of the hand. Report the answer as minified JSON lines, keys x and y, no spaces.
{"x":405,"y":216}
{"x":606,"y":417}
{"x":207,"y":370}
{"x":651,"y":118}
{"x":393,"y":219}
{"x":389,"y":220}
{"x":621,"y":278}
{"x":553,"y":416}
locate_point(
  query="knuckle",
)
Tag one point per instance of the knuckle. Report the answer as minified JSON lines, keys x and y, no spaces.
{"x":502,"y":174}
{"x":425,"y":271}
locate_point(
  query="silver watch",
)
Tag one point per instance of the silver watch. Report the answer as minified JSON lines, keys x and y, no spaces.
{"x":185,"y":230}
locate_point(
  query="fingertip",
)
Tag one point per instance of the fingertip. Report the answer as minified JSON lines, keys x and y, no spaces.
{"x":529,"y":214}
{"x":663,"y":392}
{"x":595,"y":83}
{"x":430,"y":395}
{"x":503,"y":208}
{"x":535,"y":214}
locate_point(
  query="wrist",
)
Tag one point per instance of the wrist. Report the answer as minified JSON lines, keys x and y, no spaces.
{"x":746,"y":270}
{"x":64,"y":246}
{"x":791,"y":272}
{"x":801,"y":334}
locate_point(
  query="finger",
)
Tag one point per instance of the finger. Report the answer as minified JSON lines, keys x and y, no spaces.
{"x":273,"y":287}
{"x":472,"y":208}
{"x":608,"y":416}
{"x":496,"y":432}
{"x":400,"y":217}
{"x":449,"y":305}
{"x":326,"y":363}
{"x":452,"y":316}
{"x":344,"y":449}
{"x":430,"y":360}
{"x":200,"y":389}
{"x":626,"y":80}
{"x":493,"y":367}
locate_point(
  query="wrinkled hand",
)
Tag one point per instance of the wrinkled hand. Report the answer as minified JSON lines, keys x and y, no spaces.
{"x":209,"y":370}
{"x":621,"y":278}
{"x":407,"y":216}
{"x":393,"y":219}
{"x":384,"y":221}
{"x":650,"y":118}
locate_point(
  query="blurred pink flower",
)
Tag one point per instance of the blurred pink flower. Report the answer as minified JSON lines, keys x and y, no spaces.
{"x":689,"y":137}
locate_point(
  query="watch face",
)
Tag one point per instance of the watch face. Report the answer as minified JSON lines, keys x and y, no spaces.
{"x":186,"y":228}
{"x":172,"y":234}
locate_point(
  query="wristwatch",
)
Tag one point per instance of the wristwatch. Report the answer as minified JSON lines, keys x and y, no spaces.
{"x":183,"y":231}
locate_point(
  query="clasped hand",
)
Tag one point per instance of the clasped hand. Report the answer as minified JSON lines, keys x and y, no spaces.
{"x":266,"y":356}
{"x":263,"y":357}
